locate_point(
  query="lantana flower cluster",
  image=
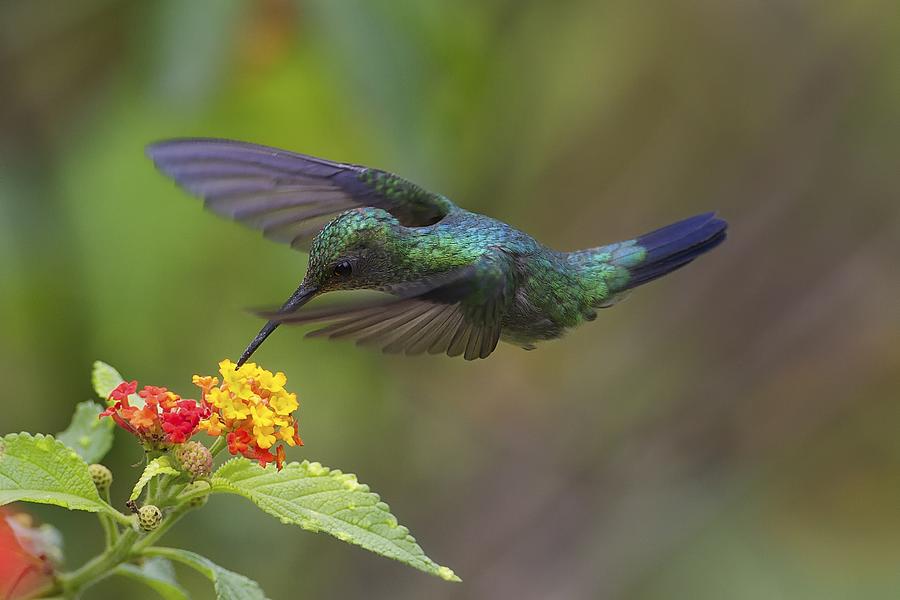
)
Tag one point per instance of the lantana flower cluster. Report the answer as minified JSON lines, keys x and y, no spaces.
{"x":163,"y":420}
{"x":250,"y":407}
{"x":253,"y":409}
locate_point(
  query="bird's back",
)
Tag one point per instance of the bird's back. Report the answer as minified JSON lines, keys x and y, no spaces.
{"x":547,"y":297}
{"x":560,"y":290}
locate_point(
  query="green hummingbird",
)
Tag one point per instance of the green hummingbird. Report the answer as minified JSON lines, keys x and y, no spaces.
{"x":456,"y":282}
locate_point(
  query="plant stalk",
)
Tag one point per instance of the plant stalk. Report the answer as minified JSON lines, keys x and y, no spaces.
{"x":217,"y":445}
{"x":110,"y":528}
{"x":100,"y":566}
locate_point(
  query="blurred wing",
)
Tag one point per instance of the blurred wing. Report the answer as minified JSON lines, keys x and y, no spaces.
{"x":288,"y":196}
{"x":458,"y":313}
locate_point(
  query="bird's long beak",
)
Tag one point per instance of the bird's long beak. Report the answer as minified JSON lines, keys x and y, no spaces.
{"x":303,"y":295}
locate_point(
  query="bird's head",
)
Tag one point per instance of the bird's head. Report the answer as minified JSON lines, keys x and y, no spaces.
{"x":354,"y":251}
{"x":357,"y":250}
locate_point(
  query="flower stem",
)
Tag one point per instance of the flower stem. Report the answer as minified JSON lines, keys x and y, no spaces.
{"x":217,"y":445}
{"x":122,"y":519}
{"x":110,"y":529}
{"x":162,"y":488}
{"x":126,"y":545}
{"x":100,"y":566}
{"x":110,"y":533}
{"x":152,"y":493}
{"x":171,"y":498}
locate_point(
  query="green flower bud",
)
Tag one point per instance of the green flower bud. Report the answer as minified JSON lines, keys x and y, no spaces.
{"x":149,"y":517}
{"x":195,"y":487}
{"x":102,"y":477}
{"x":195,"y":459}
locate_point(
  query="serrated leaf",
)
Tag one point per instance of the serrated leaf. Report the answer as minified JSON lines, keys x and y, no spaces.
{"x":44,"y":470}
{"x":158,"y":466}
{"x":88,"y":435}
{"x":105,"y":379}
{"x":228,"y":584}
{"x":156,"y":573}
{"x":319,"y":499}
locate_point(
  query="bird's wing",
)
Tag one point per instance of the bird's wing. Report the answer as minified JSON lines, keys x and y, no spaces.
{"x":286,"y":195}
{"x":457,"y":313}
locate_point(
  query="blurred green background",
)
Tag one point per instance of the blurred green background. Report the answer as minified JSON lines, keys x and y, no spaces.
{"x":728,"y":432}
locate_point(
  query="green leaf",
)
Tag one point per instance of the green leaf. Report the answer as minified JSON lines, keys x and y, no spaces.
{"x":319,"y":499}
{"x":229,"y":585}
{"x":158,"y":466}
{"x":88,"y":435}
{"x":156,"y":573}
{"x":44,"y":470}
{"x":105,"y":379}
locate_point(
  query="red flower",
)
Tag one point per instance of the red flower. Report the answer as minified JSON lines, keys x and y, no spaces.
{"x":279,"y":457}
{"x":238,"y":441}
{"x":164,"y":419}
{"x":182,"y":420}
{"x":297,"y":439}
{"x":176,"y":432}
{"x":122,"y":391}
{"x":263,"y":456}
{"x":24,"y":568}
{"x":114,"y":412}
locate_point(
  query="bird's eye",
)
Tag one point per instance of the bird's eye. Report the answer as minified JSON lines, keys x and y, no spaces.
{"x":343,"y":269}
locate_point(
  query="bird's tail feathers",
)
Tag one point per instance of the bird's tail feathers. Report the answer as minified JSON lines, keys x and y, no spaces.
{"x":671,"y":247}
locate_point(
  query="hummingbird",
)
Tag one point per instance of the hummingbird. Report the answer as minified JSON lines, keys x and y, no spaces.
{"x":453,"y":281}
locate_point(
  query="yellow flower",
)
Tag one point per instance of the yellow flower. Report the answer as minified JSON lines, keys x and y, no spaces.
{"x":283,"y":421}
{"x":284,"y":403}
{"x":227,"y":370}
{"x":286,"y":434}
{"x":231,"y":407}
{"x":213,"y":426}
{"x":264,"y":435}
{"x":262,"y":415}
{"x":236,"y":379}
{"x":235,"y":411}
{"x":253,"y":408}
{"x":273,"y":383}
{"x":217,"y":397}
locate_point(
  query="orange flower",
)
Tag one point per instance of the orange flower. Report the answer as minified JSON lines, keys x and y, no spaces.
{"x":205,"y":383}
{"x":297,"y":439}
{"x":143,"y":418}
{"x":279,"y":457}
{"x":238,"y":441}
{"x":263,"y":456}
{"x":153,"y":394}
{"x":252,"y":406}
{"x":170,"y":401}
{"x":165,"y":418}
